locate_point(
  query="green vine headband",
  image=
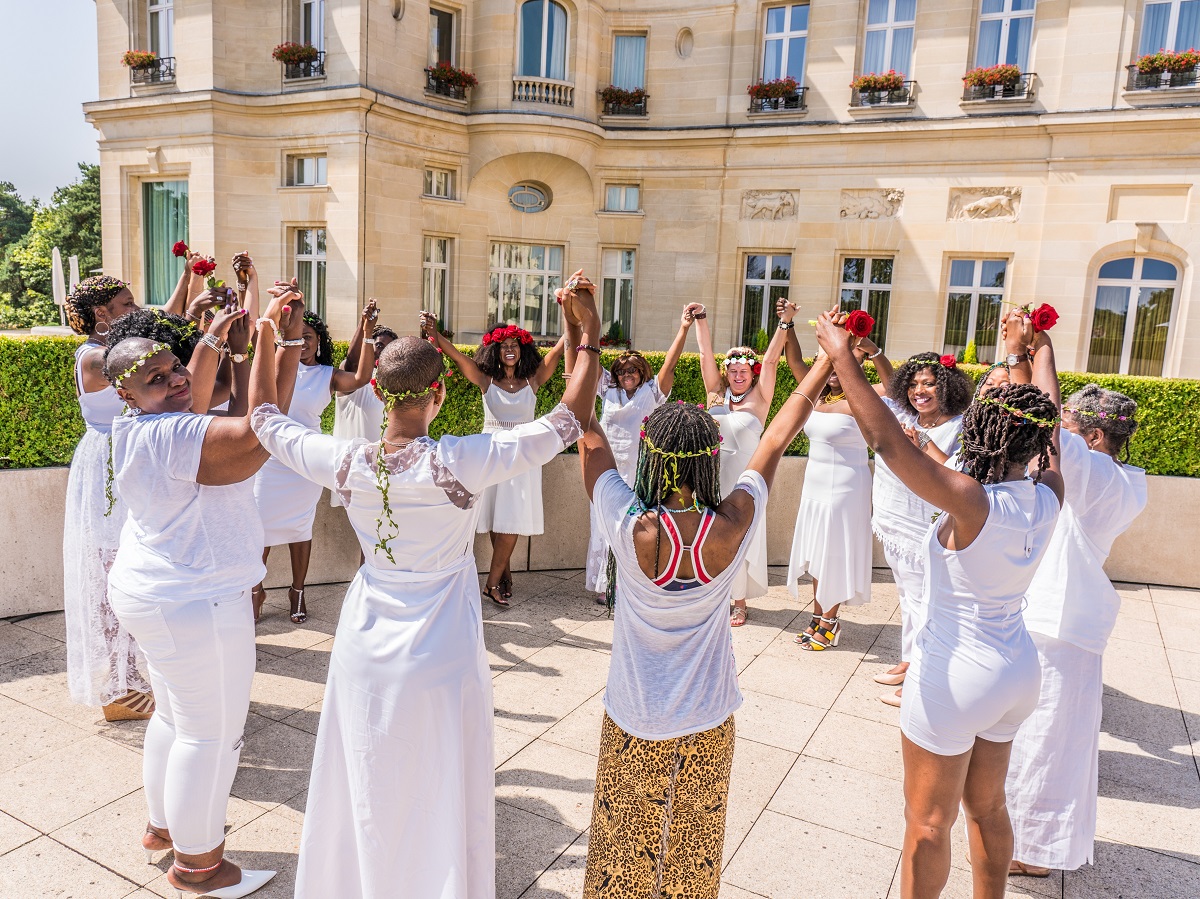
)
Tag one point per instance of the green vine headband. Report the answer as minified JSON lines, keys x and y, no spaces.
{"x":671,"y":459}
{"x":155,"y":349}
{"x":1101,"y":414}
{"x":1018,"y":413}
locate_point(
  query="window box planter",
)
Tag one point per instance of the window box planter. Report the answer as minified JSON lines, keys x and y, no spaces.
{"x":445,"y":80}
{"x":1164,"y":70}
{"x":998,"y":83}
{"x":148,"y":68}
{"x":900,"y":96}
{"x":775,"y":96}
{"x":300,"y":60}
{"x":619,"y":101}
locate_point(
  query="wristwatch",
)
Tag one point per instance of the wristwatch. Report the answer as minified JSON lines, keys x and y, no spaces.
{"x":786,"y":326}
{"x":1015,"y":359}
{"x":238,"y":357}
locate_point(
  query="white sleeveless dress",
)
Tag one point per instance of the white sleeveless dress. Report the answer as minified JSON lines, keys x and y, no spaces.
{"x":513,"y":506}
{"x":102,"y":658}
{"x":741,"y":430}
{"x":621,"y":420}
{"x":286,"y":501}
{"x":832,"y":541}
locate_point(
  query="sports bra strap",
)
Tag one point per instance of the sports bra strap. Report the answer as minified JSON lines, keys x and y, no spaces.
{"x":678,"y":547}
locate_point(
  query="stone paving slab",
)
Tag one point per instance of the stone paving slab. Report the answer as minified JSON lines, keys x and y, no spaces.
{"x":816,"y":806}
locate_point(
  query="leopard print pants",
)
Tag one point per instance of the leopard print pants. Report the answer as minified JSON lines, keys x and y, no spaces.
{"x":658,"y":820}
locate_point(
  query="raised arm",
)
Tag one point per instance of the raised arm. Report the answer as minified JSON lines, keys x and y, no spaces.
{"x":465,"y":363}
{"x":789,"y":420}
{"x":238,"y":342}
{"x":246,"y":276}
{"x":550,"y":364}
{"x":178,"y":302}
{"x":666,"y":374}
{"x":883,"y":365}
{"x":792,"y":350}
{"x":344,"y":381}
{"x":708,"y":362}
{"x":207,"y":355}
{"x":350,"y":363}
{"x":770,"y":363}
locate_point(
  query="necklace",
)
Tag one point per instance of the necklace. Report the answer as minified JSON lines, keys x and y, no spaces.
{"x":738,"y":397}
{"x":399,"y":445}
{"x":932,"y":426}
{"x":830,"y":398}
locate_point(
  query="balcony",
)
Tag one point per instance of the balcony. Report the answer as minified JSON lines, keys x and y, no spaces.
{"x":902,"y":96}
{"x":639,"y":108}
{"x":1021,"y":89}
{"x":793,"y":102}
{"x":444,"y":88}
{"x":1156,"y":81}
{"x":312,"y":68}
{"x":161,"y":71}
{"x":531,"y":89}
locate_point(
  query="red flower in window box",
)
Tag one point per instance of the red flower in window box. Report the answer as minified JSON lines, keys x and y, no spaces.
{"x":294,"y":54}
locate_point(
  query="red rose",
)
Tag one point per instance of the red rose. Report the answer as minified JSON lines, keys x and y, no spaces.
{"x":948,"y":361}
{"x":487,"y":338}
{"x":859,"y":323}
{"x":180,"y":248}
{"x":756,"y":368}
{"x":203,"y":267}
{"x":1044,"y":317}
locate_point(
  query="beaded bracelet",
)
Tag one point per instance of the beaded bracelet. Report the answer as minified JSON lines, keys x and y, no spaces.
{"x":267,"y":321}
{"x":588,"y":347}
{"x":299,"y":341}
{"x":699,"y":315}
{"x":180,"y":868}
{"x":878,"y":352}
{"x":786,"y":326}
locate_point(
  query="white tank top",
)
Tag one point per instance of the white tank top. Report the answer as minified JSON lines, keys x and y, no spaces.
{"x":311,"y":396}
{"x":503,"y":410}
{"x":100,"y":407}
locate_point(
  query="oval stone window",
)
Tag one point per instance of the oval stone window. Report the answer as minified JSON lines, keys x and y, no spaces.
{"x":529,"y":197}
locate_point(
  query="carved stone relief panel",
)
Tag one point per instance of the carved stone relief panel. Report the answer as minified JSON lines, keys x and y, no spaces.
{"x":768,"y":205}
{"x":872,"y":203}
{"x":992,"y":204}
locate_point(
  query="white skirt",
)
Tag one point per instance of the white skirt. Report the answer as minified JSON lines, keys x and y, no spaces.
{"x":287,"y":503}
{"x":102,"y":658}
{"x":513,"y":507}
{"x":1053,"y":772}
{"x":832,"y":542}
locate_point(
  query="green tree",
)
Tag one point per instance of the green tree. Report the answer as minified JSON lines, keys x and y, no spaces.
{"x":16,"y":217}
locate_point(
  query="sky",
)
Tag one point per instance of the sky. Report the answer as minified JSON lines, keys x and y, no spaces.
{"x":48,"y":68}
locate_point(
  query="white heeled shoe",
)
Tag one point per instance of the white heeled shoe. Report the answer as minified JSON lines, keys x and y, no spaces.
{"x":251,"y":881}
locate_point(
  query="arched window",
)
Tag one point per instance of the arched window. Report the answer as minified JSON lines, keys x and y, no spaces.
{"x":1132,"y":321}
{"x":543,"y":40}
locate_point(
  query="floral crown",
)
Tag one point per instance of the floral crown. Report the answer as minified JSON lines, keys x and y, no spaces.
{"x":155,"y":349}
{"x":742,"y":359}
{"x":504,"y":332}
{"x":1020,"y":413}
{"x":1101,"y":414}
{"x":671,"y":458}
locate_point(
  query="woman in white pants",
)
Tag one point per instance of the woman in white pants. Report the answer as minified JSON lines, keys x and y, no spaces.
{"x":181,"y":584}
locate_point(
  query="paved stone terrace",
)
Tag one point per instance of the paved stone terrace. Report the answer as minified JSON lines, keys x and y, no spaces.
{"x":815,"y":803}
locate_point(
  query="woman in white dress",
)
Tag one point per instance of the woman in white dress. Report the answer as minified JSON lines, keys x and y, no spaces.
{"x":286,"y":501}
{"x":102,"y":658}
{"x":740,"y":391}
{"x":181,"y":583}
{"x":402,"y":796}
{"x":832,"y":539}
{"x":629,"y":391}
{"x":1072,"y":610}
{"x":509,"y":371}
{"x":928,"y":395}
{"x":668,"y":735}
{"x":358,"y":414}
{"x":974,"y":673}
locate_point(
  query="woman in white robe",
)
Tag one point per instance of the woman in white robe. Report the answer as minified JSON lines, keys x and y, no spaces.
{"x":1072,"y":610}
{"x":401,"y":800}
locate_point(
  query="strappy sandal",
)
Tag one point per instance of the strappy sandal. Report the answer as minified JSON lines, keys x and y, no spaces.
{"x":298,"y":613}
{"x":505,"y":586}
{"x":490,"y":593}
{"x":737,"y":617}
{"x":133,"y":706}
{"x":804,"y":636}
{"x":826,"y":636}
{"x":1020,"y":869}
{"x":258,"y":598}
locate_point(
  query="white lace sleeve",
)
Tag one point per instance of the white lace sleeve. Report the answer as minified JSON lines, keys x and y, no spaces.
{"x":317,"y":457}
{"x":565,"y":424}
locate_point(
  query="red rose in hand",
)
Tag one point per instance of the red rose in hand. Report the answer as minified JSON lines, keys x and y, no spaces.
{"x":1044,"y":317}
{"x":948,"y":361}
{"x":859,"y":323}
{"x":203,"y":267}
{"x":180,"y":248}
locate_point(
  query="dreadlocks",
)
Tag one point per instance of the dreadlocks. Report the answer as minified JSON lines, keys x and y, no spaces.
{"x":324,"y":342}
{"x":1095,"y":408}
{"x":176,"y":331}
{"x":81,"y":303}
{"x":685,"y":438}
{"x":993,"y":437}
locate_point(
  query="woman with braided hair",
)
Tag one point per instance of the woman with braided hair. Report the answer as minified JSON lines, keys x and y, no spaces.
{"x":286,"y":501}
{"x":402,"y":797}
{"x":667,"y":739}
{"x":1072,"y":610}
{"x":102,"y":658}
{"x":974,"y":674}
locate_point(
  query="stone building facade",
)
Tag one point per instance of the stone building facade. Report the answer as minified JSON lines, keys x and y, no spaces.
{"x":931,"y":203}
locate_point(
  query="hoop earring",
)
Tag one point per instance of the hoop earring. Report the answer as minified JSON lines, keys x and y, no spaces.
{"x":96,"y":329}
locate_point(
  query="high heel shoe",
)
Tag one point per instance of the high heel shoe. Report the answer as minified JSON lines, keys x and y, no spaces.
{"x":133,"y":706}
{"x":150,"y":853}
{"x":828,"y":635}
{"x":298,"y":613}
{"x":496,"y":597}
{"x":888,"y":679}
{"x":251,"y":881}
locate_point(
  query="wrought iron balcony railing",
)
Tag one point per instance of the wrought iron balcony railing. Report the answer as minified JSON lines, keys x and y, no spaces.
{"x":531,"y":89}
{"x":313,"y":68}
{"x":638,"y":108}
{"x":1153,"y":81}
{"x":792,"y":102}
{"x":161,"y":71}
{"x":1021,"y":89}
{"x":444,"y":88}
{"x":901,"y":96}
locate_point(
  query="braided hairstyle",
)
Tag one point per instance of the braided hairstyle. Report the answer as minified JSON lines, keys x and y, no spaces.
{"x":180,"y":334}
{"x":81,"y":303}
{"x":994,"y":438}
{"x":1095,"y":408}
{"x":324,"y":342}
{"x":487,"y":358}
{"x":953,"y":387}
{"x":677,"y":428}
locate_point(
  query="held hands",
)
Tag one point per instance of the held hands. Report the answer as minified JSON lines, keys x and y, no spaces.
{"x":1017,"y":331}
{"x":428,"y":324}
{"x":865,"y":347}
{"x":243,"y":270}
{"x":286,"y":308}
{"x":832,"y":337}
{"x":239,"y":335}
{"x":224,"y":318}
{"x":690,"y":313}
{"x":369,"y":314}
{"x":785,"y":310}
{"x":578,"y":297}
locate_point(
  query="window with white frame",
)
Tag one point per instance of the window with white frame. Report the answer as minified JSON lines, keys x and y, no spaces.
{"x":1131,"y":325}
{"x":1170,"y":25}
{"x":311,"y":22}
{"x":439,"y":183}
{"x":888,"y":43}
{"x":867,"y":284}
{"x":1005,"y":32}
{"x":522,"y":279}
{"x":768,"y":277}
{"x":442,"y":36}
{"x":622,"y":198}
{"x":161,"y":27}
{"x":973,"y":306}
{"x":164,"y":221}
{"x":310,"y":267}
{"x":543,"y":47}
{"x":629,"y":61}
{"x":617,"y":270}
{"x":435,"y":284}
{"x":784,"y":40}
{"x":305,"y":171}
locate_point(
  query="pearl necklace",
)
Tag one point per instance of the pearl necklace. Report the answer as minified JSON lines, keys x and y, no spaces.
{"x":738,"y":397}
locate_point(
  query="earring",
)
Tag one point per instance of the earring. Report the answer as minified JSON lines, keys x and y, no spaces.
{"x":96,"y":329}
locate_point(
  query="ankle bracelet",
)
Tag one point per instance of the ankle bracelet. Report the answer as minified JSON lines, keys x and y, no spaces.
{"x":182,"y":870}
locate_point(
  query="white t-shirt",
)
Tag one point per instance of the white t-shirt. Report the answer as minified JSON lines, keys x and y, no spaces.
{"x":673,"y":670}
{"x":182,"y":541}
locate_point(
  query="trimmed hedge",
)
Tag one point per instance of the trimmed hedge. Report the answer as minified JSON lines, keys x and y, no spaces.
{"x":40,"y":421}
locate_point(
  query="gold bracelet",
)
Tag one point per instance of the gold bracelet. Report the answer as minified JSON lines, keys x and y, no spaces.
{"x":806,"y":396}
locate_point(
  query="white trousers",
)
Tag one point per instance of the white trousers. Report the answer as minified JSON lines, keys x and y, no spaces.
{"x":1054,"y":770}
{"x":200,"y":658}
{"x":909,"y":575}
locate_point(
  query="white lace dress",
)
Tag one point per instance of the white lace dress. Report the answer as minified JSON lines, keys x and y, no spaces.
{"x":621,"y":420}
{"x":102,"y":658}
